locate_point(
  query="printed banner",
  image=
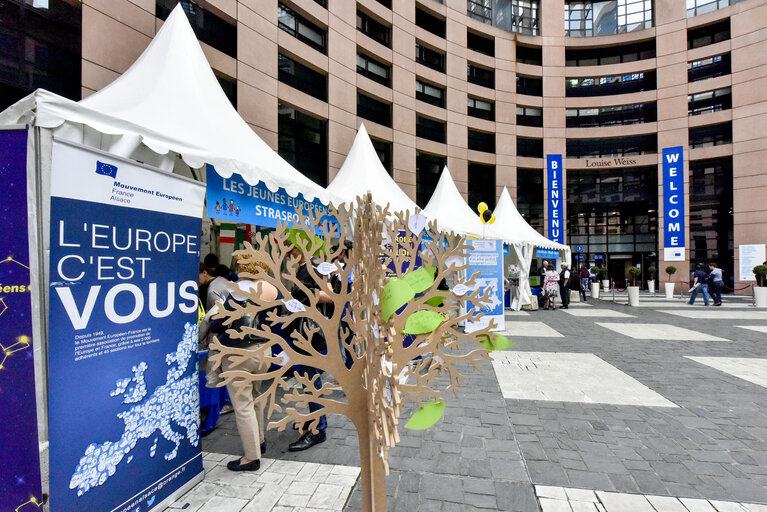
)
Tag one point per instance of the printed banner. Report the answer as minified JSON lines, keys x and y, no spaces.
{"x":122,"y":361}
{"x":235,"y":200}
{"x":407,"y":247}
{"x":19,"y":448}
{"x":552,"y":254}
{"x":673,"y":204}
{"x":486,"y":260}
{"x":750,"y":256}
{"x":556,"y":198}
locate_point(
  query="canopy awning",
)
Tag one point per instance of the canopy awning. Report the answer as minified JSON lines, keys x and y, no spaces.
{"x":451,"y":211}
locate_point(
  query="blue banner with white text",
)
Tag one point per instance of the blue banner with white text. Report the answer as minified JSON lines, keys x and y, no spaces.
{"x":485,"y":259}
{"x":555,"y":198}
{"x":124,"y":400}
{"x":673,"y":204}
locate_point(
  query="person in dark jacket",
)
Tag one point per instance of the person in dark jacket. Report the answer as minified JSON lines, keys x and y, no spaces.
{"x":699,"y":284}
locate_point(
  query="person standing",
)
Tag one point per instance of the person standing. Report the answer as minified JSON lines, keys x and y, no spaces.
{"x":585,"y":278}
{"x":542,"y":271}
{"x":550,"y":288}
{"x":564,"y":286}
{"x":700,"y":280}
{"x":716,"y":283}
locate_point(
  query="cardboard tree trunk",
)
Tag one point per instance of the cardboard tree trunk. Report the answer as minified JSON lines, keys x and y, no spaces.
{"x":399,"y":328}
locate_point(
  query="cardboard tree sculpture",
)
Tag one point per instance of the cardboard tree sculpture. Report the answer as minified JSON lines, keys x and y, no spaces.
{"x":370,"y":320}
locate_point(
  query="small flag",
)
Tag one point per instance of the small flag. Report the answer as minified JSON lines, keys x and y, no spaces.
{"x":106,"y":169}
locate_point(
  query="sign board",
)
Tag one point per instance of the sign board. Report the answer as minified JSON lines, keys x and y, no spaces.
{"x":556,"y":198}
{"x":406,"y":242}
{"x":124,"y":411}
{"x":234,"y":200}
{"x":619,"y":161}
{"x":750,"y":256}
{"x":19,"y":447}
{"x":485,"y":259}
{"x":673,"y":204}
{"x":546,"y":253}
{"x":578,"y":248}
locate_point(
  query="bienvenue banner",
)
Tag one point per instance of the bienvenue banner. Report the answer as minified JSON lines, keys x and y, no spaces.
{"x":19,"y":448}
{"x":485,"y":258}
{"x":673,"y":204}
{"x":124,"y":396}
{"x":555,"y":198}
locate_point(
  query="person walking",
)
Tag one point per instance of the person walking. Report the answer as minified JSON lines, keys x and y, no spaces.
{"x":585,"y":278}
{"x":565,"y":285}
{"x":700,"y":280}
{"x":550,"y":288}
{"x":715,"y":283}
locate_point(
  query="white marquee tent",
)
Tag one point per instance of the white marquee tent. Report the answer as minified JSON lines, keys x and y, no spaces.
{"x":362,"y":172}
{"x":514,"y":230}
{"x":450,"y":210}
{"x":167,"y":102}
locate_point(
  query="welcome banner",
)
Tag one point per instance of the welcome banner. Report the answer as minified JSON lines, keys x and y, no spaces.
{"x":673,"y":204}
{"x":556,"y":198}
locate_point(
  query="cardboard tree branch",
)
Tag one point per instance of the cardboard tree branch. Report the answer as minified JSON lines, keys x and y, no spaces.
{"x":397,"y":324}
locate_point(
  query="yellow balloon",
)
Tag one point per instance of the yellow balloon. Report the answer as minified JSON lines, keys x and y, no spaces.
{"x":481,"y":207}
{"x":492,"y":219}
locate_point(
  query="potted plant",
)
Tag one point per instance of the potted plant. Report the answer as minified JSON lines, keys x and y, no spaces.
{"x":602,"y":274}
{"x":760,"y":290}
{"x":670,"y":270}
{"x":651,"y":282}
{"x":633,"y":273}
{"x":594,"y":284}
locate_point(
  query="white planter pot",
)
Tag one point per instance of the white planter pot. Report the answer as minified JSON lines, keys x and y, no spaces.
{"x":633,"y":296}
{"x":760,"y":296}
{"x":575,"y":296}
{"x":605,"y":284}
{"x":594,"y":290}
{"x":651,"y":286}
{"x":669,"y":290}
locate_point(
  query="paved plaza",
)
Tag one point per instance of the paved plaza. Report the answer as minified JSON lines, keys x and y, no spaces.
{"x":655,"y":408}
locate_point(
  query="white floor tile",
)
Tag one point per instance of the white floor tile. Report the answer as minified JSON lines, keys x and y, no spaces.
{"x":658,"y":332}
{"x":757,"y":328}
{"x":751,"y":369}
{"x":532,"y":329}
{"x":594,"y":312}
{"x":712,"y":313}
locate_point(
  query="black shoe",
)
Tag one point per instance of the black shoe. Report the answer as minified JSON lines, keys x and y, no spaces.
{"x":263,"y":447}
{"x":306,"y":441}
{"x":234,"y":465}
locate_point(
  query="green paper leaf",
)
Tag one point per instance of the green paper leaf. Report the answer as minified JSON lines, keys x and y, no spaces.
{"x":499,"y":342}
{"x":420,"y":280}
{"x":423,"y":322}
{"x":396,"y":293}
{"x":436,"y":301}
{"x":426,"y":416}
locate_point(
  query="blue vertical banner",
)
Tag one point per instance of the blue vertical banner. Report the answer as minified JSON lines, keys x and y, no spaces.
{"x":122,"y":358}
{"x":673,"y":204}
{"x":19,"y":447}
{"x":555,"y":198}
{"x":485,"y":260}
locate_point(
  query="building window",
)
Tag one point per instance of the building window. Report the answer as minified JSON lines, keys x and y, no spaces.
{"x":514,"y":15}
{"x":481,"y":76}
{"x":710,"y":34}
{"x":301,"y":28}
{"x":374,"y":110}
{"x":530,"y":196}
{"x":303,"y":143}
{"x":698,"y":7}
{"x":481,"y":44}
{"x":428,"y":168}
{"x":610,"y":55}
{"x":384,"y":151}
{"x":429,"y":22}
{"x":528,"y":147}
{"x":429,"y":58}
{"x":529,"y":85}
{"x":709,"y":101}
{"x":430,"y":93}
{"x":481,"y":141}
{"x":613,"y":146}
{"x":710,"y":67}
{"x":711,"y":135}
{"x":529,"y":116}
{"x":609,"y":85}
{"x":711,"y":219}
{"x":40,"y":48}
{"x":385,"y":3}
{"x":481,"y":10}
{"x":209,"y":28}
{"x":375,"y":70}
{"x":482,"y":109}
{"x":373,"y":29}
{"x":229,"y":86}
{"x":602,"y":18}
{"x":301,"y":77}
{"x":611,"y":116}
{"x":529,"y":55}
{"x":431,"y":129}
{"x":481,"y":185}
{"x":323,"y":3}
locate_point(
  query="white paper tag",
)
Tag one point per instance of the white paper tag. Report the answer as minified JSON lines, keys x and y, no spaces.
{"x":376,"y":332}
{"x":438,"y":359}
{"x":387,"y":391}
{"x":294,"y":306}
{"x":387,"y":364}
{"x":460,"y":289}
{"x":416,"y":223}
{"x":325,"y":268}
{"x":284,"y":358}
{"x":375,"y":298}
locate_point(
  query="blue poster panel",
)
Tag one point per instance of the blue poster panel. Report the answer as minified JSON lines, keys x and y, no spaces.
{"x":551,"y":254}
{"x":122,"y":361}
{"x":19,"y":448}
{"x":235,"y":200}
{"x":673,"y":204}
{"x":555,"y":198}
{"x":485,"y":259}
{"x":408,"y":245}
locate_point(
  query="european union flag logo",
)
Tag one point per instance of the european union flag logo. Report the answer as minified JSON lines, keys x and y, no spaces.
{"x":106,"y":169}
